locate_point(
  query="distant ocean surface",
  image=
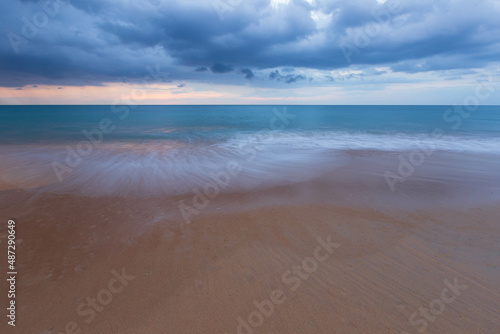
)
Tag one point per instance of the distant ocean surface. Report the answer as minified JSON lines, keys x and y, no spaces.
{"x":354,"y":127}
{"x":150,"y":149}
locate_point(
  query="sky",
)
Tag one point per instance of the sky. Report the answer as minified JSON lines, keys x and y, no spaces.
{"x":248,"y":51}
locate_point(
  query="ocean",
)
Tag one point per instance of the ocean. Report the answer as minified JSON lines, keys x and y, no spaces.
{"x":150,"y":150}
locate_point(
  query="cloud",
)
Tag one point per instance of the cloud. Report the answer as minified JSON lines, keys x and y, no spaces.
{"x":201,"y":69}
{"x":289,"y":78}
{"x":102,"y":41}
{"x":248,"y":73}
{"x":221,"y":68}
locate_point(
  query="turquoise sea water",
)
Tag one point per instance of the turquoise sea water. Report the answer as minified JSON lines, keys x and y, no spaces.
{"x":371,"y":124}
{"x":150,"y":149}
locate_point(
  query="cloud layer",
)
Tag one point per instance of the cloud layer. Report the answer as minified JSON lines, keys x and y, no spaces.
{"x":255,"y":42}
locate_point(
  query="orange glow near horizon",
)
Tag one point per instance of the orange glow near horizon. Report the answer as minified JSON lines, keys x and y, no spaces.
{"x":106,"y":94}
{"x":205,"y":93}
{"x":118,"y":93}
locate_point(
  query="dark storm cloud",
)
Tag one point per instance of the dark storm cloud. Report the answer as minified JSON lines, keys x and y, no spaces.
{"x":289,"y":78}
{"x":89,"y":41}
{"x":248,"y":73}
{"x":221,"y":68}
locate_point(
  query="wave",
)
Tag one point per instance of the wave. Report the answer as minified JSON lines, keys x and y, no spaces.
{"x":244,"y":161}
{"x":367,"y":141}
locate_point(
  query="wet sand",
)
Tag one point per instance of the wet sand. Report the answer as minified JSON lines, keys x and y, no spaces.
{"x":423,"y":259}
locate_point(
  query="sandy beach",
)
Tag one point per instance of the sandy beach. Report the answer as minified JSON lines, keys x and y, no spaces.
{"x":289,"y":259}
{"x":250,"y":167}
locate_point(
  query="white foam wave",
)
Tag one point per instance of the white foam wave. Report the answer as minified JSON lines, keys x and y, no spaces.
{"x":367,"y":141}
